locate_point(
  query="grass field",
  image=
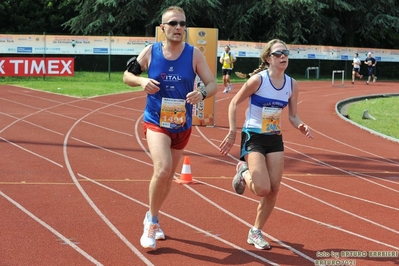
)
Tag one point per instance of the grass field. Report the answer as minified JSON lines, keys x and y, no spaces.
{"x":385,"y":111}
{"x":82,"y":84}
{"x":89,"y":84}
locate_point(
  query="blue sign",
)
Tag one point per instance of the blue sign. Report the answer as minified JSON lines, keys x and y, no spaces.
{"x":311,"y":56}
{"x":100,"y":50}
{"x":24,"y":50}
{"x":241,"y":53}
{"x":344,"y":57}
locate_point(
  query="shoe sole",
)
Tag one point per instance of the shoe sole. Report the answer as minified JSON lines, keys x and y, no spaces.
{"x":236,"y":185}
{"x":148,"y":247}
{"x":257,"y":246}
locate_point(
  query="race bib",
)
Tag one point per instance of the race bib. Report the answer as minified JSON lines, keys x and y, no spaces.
{"x":173,"y":113}
{"x":271,"y":122}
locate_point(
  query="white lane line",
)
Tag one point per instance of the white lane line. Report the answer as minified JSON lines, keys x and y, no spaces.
{"x":107,"y":128}
{"x":205,"y":232}
{"x":355,"y":148}
{"x":31,"y":152}
{"x":341,"y":210}
{"x":87,"y":197}
{"x":380,"y":160}
{"x":319,"y":162}
{"x":52,"y":230}
{"x":331,"y":205}
{"x":342,"y":194}
{"x":305,"y":218}
{"x":111,"y":151}
{"x":33,"y":124}
{"x":343,"y":170}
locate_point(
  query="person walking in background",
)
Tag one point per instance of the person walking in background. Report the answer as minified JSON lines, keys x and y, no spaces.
{"x":172,"y":68}
{"x":356,"y":68}
{"x":227,"y":59}
{"x":370,"y":62}
{"x":261,"y":163}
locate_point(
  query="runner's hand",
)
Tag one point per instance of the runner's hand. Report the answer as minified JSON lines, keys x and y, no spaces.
{"x":305,"y":130}
{"x":150,"y":86}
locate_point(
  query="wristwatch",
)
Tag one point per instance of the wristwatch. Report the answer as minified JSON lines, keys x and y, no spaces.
{"x":203,"y":92}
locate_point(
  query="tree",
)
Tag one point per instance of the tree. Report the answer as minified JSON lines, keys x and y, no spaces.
{"x":362,"y":23}
{"x":25,"y":16}
{"x":130,"y":16}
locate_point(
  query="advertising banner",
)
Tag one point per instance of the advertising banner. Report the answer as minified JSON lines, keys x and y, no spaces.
{"x":36,"y":66}
{"x":121,"y":45}
{"x":206,"y":40}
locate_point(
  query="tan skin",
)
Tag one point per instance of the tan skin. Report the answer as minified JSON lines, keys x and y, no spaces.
{"x":166,"y":159}
{"x":265,"y":173}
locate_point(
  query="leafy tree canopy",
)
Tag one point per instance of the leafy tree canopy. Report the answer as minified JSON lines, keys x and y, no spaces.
{"x":363,"y":23}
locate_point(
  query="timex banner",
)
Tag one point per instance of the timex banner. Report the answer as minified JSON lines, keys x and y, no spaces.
{"x":36,"y":66}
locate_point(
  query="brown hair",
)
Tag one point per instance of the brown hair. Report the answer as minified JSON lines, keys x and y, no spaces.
{"x":266,"y":53}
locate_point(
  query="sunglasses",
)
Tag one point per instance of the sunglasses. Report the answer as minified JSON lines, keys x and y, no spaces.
{"x":279,"y":53}
{"x":174,"y":23}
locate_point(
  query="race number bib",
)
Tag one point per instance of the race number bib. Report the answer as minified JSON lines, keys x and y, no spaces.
{"x":173,"y":113}
{"x":271,"y":122}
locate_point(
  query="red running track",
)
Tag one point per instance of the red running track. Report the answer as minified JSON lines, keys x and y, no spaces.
{"x":75,"y":174}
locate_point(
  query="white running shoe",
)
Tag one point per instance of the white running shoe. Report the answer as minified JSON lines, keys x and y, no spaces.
{"x":148,"y":240}
{"x":230,"y":86}
{"x":238,"y":180}
{"x":159,"y":234}
{"x":255,"y":238}
{"x":374,"y":79}
{"x":226,"y":90}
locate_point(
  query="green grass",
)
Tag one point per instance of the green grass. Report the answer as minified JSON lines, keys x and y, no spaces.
{"x":385,"y":110}
{"x":83,"y":84}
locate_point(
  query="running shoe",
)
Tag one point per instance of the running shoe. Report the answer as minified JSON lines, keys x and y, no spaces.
{"x":148,"y":240}
{"x":238,"y":180}
{"x":361,"y":77}
{"x":255,"y":238}
{"x":374,"y":79}
{"x":226,"y":90}
{"x":352,"y":82}
{"x":230,"y":86}
{"x":159,"y":234}
{"x":367,"y":83}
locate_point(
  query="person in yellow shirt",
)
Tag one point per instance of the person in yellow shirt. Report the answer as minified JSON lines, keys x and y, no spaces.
{"x":227,"y":59}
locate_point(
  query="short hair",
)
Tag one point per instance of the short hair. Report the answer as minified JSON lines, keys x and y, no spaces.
{"x":174,"y":9}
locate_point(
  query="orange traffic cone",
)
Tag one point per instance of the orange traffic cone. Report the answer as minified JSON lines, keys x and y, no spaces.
{"x":185,"y":176}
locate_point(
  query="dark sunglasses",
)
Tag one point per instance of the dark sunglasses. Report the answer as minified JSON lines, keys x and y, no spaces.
{"x":279,"y":53}
{"x":174,"y":23}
